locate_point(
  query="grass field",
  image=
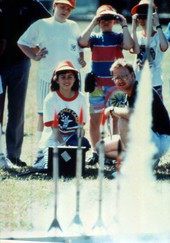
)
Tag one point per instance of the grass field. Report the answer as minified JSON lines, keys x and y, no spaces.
{"x":26,"y":203}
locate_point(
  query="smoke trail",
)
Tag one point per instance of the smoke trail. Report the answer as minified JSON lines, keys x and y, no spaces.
{"x":137,"y":180}
{"x":140,"y":147}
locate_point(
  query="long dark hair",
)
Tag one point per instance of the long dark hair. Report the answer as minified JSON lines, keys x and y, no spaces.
{"x":55,"y":86}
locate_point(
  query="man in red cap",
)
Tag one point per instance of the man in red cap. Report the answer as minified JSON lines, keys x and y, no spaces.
{"x":106,"y":47}
{"x":158,"y":43}
{"x":57,"y":38}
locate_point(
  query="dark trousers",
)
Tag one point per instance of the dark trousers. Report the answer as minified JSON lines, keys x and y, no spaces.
{"x":14,"y":82}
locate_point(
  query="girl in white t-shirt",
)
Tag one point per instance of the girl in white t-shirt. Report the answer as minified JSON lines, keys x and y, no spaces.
{"x":66,"y":100}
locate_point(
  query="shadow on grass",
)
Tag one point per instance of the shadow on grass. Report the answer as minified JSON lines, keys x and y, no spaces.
{"x":25,"y":173}
{"x":90,"y":172}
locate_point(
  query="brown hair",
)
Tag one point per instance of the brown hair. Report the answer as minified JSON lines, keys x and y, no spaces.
{"x":55,"y":86}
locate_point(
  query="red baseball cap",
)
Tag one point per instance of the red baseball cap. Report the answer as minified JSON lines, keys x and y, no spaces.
{"x":105,"y":9}
{"x":142,"y":2}
{"x":71,"y":3}
{"x":65,"y":65}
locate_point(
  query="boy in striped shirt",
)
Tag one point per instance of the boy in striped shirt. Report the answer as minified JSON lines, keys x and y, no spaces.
{"x":106,"y":47}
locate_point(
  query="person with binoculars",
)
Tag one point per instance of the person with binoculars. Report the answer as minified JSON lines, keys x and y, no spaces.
{"x":106,"y":47}
{"x":158,"y":43}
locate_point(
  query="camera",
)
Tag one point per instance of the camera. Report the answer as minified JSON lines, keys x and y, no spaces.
{"x":142,"y":16}
{"x":110,"y":17}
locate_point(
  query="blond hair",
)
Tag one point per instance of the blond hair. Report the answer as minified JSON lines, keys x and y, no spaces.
{"x":121,"y":62}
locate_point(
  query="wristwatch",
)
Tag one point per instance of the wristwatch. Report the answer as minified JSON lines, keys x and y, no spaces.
{"x":111,"y":110}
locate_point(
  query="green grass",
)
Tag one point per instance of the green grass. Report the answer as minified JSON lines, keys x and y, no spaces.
{"x":21,"y":198}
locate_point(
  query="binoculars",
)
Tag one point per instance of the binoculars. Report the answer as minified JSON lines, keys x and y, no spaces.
{"x":110,"y":17}
{"x":142,"y":16}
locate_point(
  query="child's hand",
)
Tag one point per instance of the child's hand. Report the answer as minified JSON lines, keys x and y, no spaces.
{"x":122,"y":20}
{"x":96,"y":20}
{"x":41,"y":54}
{"x":82,"y":62}
{"x":107,"y":111}
{"x":135,"y":22}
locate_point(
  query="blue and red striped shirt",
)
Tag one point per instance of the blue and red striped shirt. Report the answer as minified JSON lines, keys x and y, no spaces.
{"x":106,"y":47}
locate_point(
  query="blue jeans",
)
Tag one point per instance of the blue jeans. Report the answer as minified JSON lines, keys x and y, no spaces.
{"x":14,"y":82}
{"x":73,"y":141}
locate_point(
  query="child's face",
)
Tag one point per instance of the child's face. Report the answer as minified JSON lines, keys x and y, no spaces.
{"x":142,"y":22}
{"x":61,"y":12}
{"x":106,"y":25}
{"x":66,"y":81}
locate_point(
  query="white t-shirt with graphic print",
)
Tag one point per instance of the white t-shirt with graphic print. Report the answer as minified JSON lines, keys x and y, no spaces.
{"x":68,"y":111}
{"x":156,"y":58}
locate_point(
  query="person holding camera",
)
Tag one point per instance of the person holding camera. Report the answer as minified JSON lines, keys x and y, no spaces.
{"x":158,"y":43}
{"x":106,"y":47}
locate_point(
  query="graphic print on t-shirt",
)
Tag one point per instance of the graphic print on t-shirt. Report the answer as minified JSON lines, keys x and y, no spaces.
{"x":68,"y":121}
{"x":141,"y":57}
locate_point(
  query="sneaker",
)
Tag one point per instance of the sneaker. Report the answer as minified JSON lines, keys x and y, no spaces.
{"x":39,"y":153}
{"x":114,"y":174}
{"x":109,"y":162}
{"x":18,"y":162}
{"x":93,"y":160}
{"x":4,"y":162}
{"x":40,"y":163}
